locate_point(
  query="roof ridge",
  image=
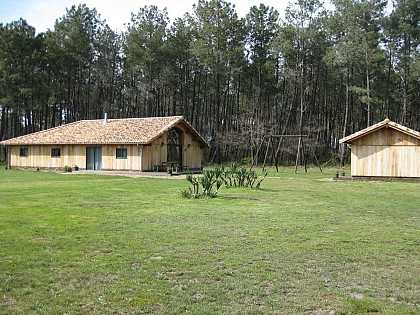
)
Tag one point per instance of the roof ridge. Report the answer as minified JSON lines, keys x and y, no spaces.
{"x":379,"y":125}
{"x":404,"y":127}
{"x":121,"y":130}
{"x":154,"y":117}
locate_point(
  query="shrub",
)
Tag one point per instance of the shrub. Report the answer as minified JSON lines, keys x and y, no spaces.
{"x":247,"y":160}
{"x":243,"y":177}
{"x":211,"y":181}
{"x":67,"y":169}
{"x":194,"y":192}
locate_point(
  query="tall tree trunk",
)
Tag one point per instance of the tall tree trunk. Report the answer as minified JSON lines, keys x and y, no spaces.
{"x":368,"y":92}
{"x":347,"y":117}
{"x":3,"y":121}
{"x":300,"y":154}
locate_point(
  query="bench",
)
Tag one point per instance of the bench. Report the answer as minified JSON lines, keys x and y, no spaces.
{"x":158,"y":168}
{"x":172,"y":166}
{"x":181,"y":168}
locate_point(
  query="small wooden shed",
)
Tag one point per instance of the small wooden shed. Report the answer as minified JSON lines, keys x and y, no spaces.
{"x":386,"y":149}
{"x":135,"y":144}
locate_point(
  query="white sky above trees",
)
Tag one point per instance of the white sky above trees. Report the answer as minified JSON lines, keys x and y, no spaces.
{"x":42,"y":14}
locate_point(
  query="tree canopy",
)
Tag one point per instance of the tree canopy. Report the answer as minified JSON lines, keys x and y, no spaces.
{"x":247,"y":82}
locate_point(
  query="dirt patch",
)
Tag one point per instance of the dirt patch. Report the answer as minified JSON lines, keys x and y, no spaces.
{"x":154,"y":258}
{"x":250,"y":198}
{"x":132,"y":174}
{"x":38,"y":239}
{"x":99,"y":252}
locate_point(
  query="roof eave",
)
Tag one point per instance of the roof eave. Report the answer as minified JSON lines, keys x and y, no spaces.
{"x":25,"y":141}
{"x":74,"y":143}
{"x":197,"y":134}
{"x":173,"y":124}
{"x":383,"y":124}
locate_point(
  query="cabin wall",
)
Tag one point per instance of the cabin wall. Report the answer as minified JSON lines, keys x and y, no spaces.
{"x":131,"y":163}
{"x":154,"y":154}
{"x":386,"y":137}
{"x":139,"y":157}
{"x":386,"y":153}
{"x":39,"y":156}
{"x":193,"y":153}
{"x":157,"y":151}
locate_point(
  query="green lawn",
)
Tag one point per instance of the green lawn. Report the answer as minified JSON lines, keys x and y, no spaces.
{"x":94,"y":244}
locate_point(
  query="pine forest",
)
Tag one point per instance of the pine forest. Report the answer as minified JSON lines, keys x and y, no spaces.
{"x":261,"y":89}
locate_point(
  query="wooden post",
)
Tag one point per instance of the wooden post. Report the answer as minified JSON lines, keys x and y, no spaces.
{"x":266,"y":151}
{"x":300,"y":155}
{"x":7,"y":149}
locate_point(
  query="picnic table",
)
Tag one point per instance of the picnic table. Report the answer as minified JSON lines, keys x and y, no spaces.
{"x":170,"y":167}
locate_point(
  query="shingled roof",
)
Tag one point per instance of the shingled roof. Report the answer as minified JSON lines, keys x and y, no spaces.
{"x":112,"y":131}
{"x":380,"y":125}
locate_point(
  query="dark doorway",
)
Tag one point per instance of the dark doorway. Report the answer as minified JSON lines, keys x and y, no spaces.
{"x":174,"y":146}
{"x":94,"y":158}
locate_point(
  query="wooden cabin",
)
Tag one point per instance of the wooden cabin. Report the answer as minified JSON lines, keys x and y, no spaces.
{"x":133,"y":144}
{"x":386,"y":149}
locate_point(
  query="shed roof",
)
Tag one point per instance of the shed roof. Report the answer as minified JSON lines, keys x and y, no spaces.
{"x":111,"y":131}
{"x":383,"y":124}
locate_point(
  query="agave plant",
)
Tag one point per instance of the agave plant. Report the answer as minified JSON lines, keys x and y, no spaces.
{"x":194,"y":192}
{"x":212,"y":180}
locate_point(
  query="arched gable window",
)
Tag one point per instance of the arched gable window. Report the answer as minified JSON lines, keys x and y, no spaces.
{"x":174,"y":146}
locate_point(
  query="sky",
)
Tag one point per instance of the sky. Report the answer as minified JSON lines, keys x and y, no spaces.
{"x":42,"y":14}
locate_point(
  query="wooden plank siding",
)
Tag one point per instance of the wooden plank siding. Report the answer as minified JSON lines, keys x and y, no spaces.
{"x":192,"y":151}
{"x":39,"y":156}
{"x":386,"y":152}
{"x":156,"y":153}
{"x":145,"y":140}
{"x":139,"y":157}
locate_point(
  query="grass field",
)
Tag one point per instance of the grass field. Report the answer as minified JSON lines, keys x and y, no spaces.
{"x":94,"y":244}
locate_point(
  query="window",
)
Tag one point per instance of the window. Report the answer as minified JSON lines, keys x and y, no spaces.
{"x":55,"y":152}
{"x":23,"y":152}
{"x":174,"y":146}
{"x":121,"y":153}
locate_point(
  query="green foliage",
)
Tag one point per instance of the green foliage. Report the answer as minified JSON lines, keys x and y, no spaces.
{"x":247,"y":160}
{"x":355,"y":306}
{"x":211,"y":180}
{"x":316,"y":72}
{"x":236,"y":176}
{"x":67,"y":169}
{"x":194,"y":191}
